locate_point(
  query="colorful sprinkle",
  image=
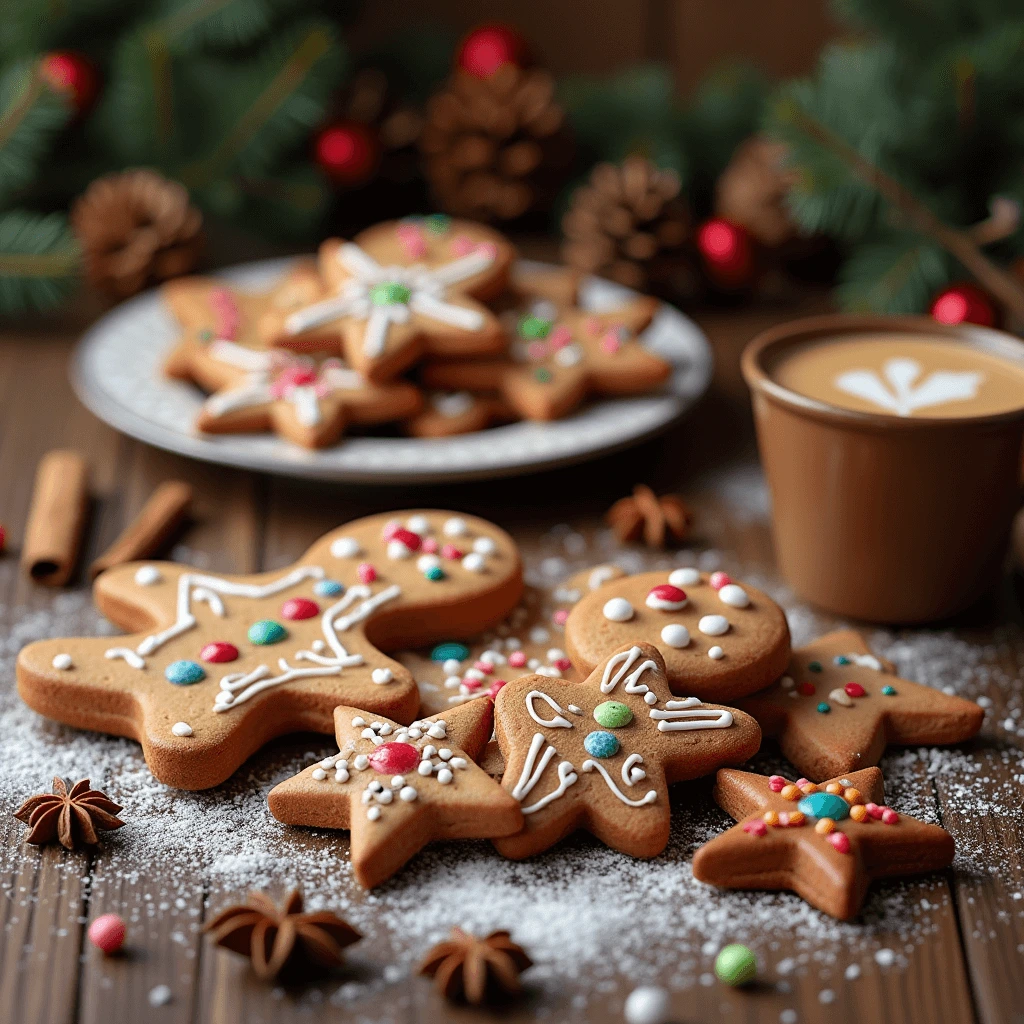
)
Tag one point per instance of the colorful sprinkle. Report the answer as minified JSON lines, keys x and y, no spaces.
{"x":560,"y":617}
{"x":613,"y":714}
{"x":534,"y":327}
{"x":296,"y":608}
{"x":366,"y":572}
{"x":771,"y":818}
{"x":327,"y":588}
{"x":411,"y":540}
{"x":483,"y":666}
{"x":184,"y":673}
{"x":824,"y":826}
{"x":790,"y":792}
{"x":824,"y":707}
{"x":736,"y":965}
{"x":435,"y":573}
{"x":776,"y":783}
{"x":756,"y":828}
{"x":852,"y":795}
{"x":858,"y":812}
{"x":840,"y":841}
{"x":889,"y":691}
{"x":719,"y":580}
{"x":390,"y":293}
{"x":437,"y":223}
{"x":542,"y":375}
{"x":855,"y":690}
{"x":824,"y":805}
{"x":601,"y":744}
{"x":840,"y":659}
{"x":562,"y":664}
{"x":450,"y":650}
{"x":517,"y":659}
{"x":218,"y":651}
{"x":429,"y":546}
{"x":394,"y":758}
{"x":451,"y":552}
{"x":889,"y":816}
{"x":495,"y":687}
{"x":814,"y":666}
{"x":806,"y":689}
{"x":266,"y":631}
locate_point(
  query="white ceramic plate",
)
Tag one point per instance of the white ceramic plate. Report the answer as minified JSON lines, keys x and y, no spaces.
{"x":117,"y":373}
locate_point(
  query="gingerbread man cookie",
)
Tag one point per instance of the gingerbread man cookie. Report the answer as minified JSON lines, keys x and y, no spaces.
{"x":720,"y":639}
{"x":599,"y":755}
{"x":397,"y":788}
{"x":826,"y":843}
{"x":400,"y":290}
{"x":560,"y":356}
{"x":838,"y":706}
{"x":449,"y":413}
{"x":219,"y":665}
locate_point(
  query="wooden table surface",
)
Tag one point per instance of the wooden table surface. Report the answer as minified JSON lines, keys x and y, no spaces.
{"x":960,"y":959}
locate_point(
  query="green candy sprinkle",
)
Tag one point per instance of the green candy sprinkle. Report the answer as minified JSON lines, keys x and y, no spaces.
{"x":613,"y":714}
{"x":841,"y":659}
{"x":814,"y":666}
{"x":534,"y":327}
{"x":736,"y":965}
{"x":266,"y":631}
{"x":449,"y":651}
{"x":824,"y":708}
{"x":389,"y":293}
{"x":435,"y":572}
{"x":889,"y":691}
{"x":437,"y":223}
{"x":206,"y":334}
{"x":544,"y":376}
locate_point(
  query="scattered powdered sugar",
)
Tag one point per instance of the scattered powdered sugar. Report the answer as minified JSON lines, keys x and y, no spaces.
{"x":594,"y":921}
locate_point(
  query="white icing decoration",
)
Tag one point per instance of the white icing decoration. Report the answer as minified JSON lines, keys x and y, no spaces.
{"x":397,"y":550}
{"x":419,"y":525}
{"x":568,"y":356}
{"x":539,"y":635}
{"x":688,"y":714}
{"x":713,"y":625}
{"x":618,"y":609}
{"x":474,"y":562}
{"x":346,"y":547}
{"x":453,"y":405}
{"x":127,"y":654}
{"x":684,"y":578}
{"x":382,"y":675}
{"x":147,"y":575}
{"x":602,"y":574}
{"x":865,"y":661}
{"x":532,"y":771}
{"x":675,"y":635}
{"x":648,"y":798}
{"x":660,"y":604}
{"x":903,"y":397}
{"x":62,"y":662}
{"x":840,"y":696}
{"x":484,"y":546}
{"x":787,"y":683}
{"x":455,"y":527}
{"x":716,"y":653}
{"x":558,"y":722}
{"x":451,"y":666}
{"x":425,"y":562}
{"x":631,"y":775}
{"x":734,"y":596}
{"x":182,"y":729}
{"x":625,"y":660}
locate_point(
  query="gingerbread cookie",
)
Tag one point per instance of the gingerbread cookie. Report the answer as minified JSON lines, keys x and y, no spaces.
{"x":559,"y":356}
{"x":826,"y":842}
{"x":397,"y":788}
{"x":599,"y":755}
{"x":528,"y":641}
{"x":838,"y":706}
{"x":219,"y":665}
{"x":720,"y":639}
{"x":449,"y":413}
{"x":400,"y":290}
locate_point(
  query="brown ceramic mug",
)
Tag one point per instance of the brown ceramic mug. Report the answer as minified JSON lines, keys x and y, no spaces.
{"x":892,"y":448}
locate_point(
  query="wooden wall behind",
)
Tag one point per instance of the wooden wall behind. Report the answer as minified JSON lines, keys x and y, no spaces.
{"x":782,"y":37}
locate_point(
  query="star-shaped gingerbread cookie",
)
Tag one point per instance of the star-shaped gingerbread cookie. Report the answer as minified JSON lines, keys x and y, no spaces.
{"x":600,"y":754}
{"x":397,"y":788}
{"x":720,"y":639}
{"x":825,"y":842}
{"x":219,"y":665}
{"x":400,"y":290}
{"x":560,"y":356}
{"x":838,"y":706}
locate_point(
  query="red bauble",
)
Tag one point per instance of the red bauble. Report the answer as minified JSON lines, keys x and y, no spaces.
{"x":964,"y":304}
{"x":489,"y":47}
{"x":347,"y":152}
{"x":73,"y":74}
{"x":727,"y":251}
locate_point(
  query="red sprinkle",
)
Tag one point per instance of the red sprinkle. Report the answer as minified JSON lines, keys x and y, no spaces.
{"x":560,"y":617}
{"x":562,"y":664}
{"x":874,"y":810}
{"x":840,"y":840}
{"x":411,"y":540}
{"x":390,"y":529}
{"x":218,"y":651}
{"x":299,"y":608}
{"x":807,"y":689}
{"x":495,"y":687}
{"x":800,"y":783}
{"x":559,"y":337}
{"x":776,"y":783}
{"x":107,"y":933}
{"x":756,"y":828}
{"x":889,"y":816}
{"x":517,"y":659}
{"x":394,"y":758}
{"x":855,"y":690}
{"x":451,"y":551}
{"x":429,"y":546}
{"x":483,"y":666}
{"x":719,"y":580}
{"x":367,"y":573}
{"x":471,"y":684}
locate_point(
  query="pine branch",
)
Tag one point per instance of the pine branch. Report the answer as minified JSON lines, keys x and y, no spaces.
{"x":39,"y":260}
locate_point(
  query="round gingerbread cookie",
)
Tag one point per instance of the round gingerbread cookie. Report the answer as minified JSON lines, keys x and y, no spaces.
{"x":720,"y":639}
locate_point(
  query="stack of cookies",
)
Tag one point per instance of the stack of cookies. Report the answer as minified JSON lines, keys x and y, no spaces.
{"x":425,"y":322}
{"x":508,"y":713}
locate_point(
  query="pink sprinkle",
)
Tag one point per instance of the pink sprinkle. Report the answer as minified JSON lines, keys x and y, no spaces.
{"x":107,"y":933}
{"x":562,"y":664}
{"x":800,"y":783}
{"x":483,"y":666}
{"x":784,"y":818}
{"x":227,"y":316}
{"x":517,"y":659}
{"x":874,"y":810}
{"x":610,"y":344}
{"x":412,"y":241}
{"x":451,"y":551}
{"x":429,"y":546}
{"x":889,"y":816}
{"x":290,"y":378}
{"x":391,"y":527}
{"x":560,"y":336}
{"x":719,"y":580}
{"x":776,"y":783}
{"x":495,"y":687}
{"x":840,"y":841}
{"x":559,"y":618}
{"x":537,"y":350}
{"x":462,"y":245}
{"x":488,"y":249}
{"x":367,"y":573}
{"x":756,"y":828}
{"x":471,"y":684}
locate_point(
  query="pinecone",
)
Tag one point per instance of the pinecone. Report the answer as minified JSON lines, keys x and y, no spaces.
{"x":136,"y":228}
{"x":752,"y":190}
{"x":629,"y":224}
{"x":496,"y":148}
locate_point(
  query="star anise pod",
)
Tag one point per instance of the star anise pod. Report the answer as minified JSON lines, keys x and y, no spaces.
{"x":476,"y":970}
{"x":282,"y":941}
{"x":645,"y":515}
{"x":71,"y":816}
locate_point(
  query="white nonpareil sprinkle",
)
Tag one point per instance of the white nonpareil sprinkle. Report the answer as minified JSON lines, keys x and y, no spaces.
{"x":160,"y":995}
{"x":648,"y":1004}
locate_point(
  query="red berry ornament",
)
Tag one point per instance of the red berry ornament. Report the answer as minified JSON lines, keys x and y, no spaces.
{"x":489,"y":47}
{"x":727,"y":252}
{"x":73,"y":74}
{"x":964,"y":304}
{"x":394,"y":758}
{"x":299,"y":608}
{"x":347,"y":153}
{"x":107,"y":933}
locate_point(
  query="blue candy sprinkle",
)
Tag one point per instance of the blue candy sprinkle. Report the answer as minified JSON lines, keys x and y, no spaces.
{"x":824,"y":805}
{"x":328,"y":588}
{"x":889,"y":691}
{"x":449,"y":651}
{"x":184,"y":673}
{"x":841,"y":659}
{"x":824,"y":708}
{"x":601,"y":744}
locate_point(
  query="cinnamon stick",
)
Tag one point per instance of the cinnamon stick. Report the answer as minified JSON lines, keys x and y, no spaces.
{"x":56,"y":518}
{"x":152,"y":528}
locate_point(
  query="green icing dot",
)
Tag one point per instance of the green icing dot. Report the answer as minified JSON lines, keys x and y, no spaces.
{"x":266,"y":631}
{"x":544,"y":376}
{"x":613,"y":714}
{"x":389,"y":293}
{"x":435,"y":572}
{"x":437,"y":223}
{"x":814,"y":666}
{"x":736,"y":965}
{"x":447,"y":651}
{"x":534,"y":327}
{"x":889,"y":691}
{"x":206,"y":334}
